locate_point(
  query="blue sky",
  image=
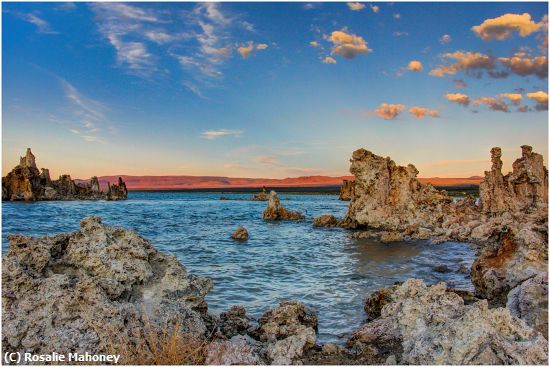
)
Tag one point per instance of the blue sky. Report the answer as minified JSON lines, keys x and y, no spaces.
{"x":271,"y":89}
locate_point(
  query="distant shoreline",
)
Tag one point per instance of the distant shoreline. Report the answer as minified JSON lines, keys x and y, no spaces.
{"x":302,"y":190}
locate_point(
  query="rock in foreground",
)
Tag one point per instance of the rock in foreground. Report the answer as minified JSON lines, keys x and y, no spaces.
{"x":25,"y":182}
{"x":276,"y":211}
{"x":325,"y":220}
{"x":83,"y":291}
{"x":431,"y":325}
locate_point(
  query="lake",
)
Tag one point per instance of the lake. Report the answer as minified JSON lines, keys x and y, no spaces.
{"x":321,"y":267}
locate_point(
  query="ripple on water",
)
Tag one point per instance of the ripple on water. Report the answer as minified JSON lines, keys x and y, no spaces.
{"x":282,"y":260}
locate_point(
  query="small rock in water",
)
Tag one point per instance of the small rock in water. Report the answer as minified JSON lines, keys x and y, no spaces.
{"x":240,"y":234}
{"x":275,"y":211}
{"x":463,"y":269}
{"x":325,"y":220}
{"x":442,"y":269}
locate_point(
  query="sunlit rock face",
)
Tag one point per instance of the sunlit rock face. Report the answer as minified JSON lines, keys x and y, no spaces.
{"x":424,"y":325}
{"x":87,"y":290}
{"x":388,"y":196}
{"x":25,"y":182}
{"x":523,"y":189}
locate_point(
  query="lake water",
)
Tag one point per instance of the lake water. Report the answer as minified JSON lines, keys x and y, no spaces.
{"x":282,"y":260}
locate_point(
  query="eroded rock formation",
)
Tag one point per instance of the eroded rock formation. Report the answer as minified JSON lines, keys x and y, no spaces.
{"x":388,"y":196}
{"x":26,"y":183}
{"x":523,"y":189}
{"x":431,"y":325}
{"x":276,"y":211}
{"x":510,"y":224}
{"x":82,"y":291}
{"x":347,"y":190}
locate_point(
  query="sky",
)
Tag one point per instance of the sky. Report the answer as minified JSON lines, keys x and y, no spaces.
{"x":271,"y":90}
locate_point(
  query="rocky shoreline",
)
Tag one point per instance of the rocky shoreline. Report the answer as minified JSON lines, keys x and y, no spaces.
{"x":83,"y":291}
{"x":26,"y":183}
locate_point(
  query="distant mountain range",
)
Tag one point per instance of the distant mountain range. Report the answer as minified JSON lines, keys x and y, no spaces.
{"x":216,"y":182}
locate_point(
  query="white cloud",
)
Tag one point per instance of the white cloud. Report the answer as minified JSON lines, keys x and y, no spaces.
{"x":42,"y":25}
{"x":445,"y":39}
{"x":375,"y":8}
{"x":215,"y":134}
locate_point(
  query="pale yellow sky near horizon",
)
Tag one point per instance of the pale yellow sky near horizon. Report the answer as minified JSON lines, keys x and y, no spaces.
{"x":72,"y":165}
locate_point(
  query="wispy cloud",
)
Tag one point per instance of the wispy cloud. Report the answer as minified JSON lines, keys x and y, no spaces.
{"x":89,"y":113}
{"x":215,"y":134}
{"x":42,"y":25}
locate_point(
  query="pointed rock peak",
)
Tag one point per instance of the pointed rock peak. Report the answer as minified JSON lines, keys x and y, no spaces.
{"x":28,"y":160}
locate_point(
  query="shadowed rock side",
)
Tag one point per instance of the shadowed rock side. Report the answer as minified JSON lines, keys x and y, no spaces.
{"x":276,"y":211}
{"x":432,"y":325}
{"x":26,"y":183}
{"x":347,"y":190}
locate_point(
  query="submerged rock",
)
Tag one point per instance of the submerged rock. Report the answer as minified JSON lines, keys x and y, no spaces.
{"x":276,"y":211}
{"x":431,"y":325}
{"x":240,"y":234}
{"x":26,"y":183}
{"x":84,"y":291}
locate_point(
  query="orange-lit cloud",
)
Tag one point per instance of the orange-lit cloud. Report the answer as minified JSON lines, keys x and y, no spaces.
{"x":458,"y":98}
{"x":459,"y":83}
{"x":523,"y":64}
{"x":356,"y":6}
{"x":470,"y":62}
{"x":347,"y":45}
{"x":415,"y":65}
{"x":495,"y":104}
{"x":329,"y":60}
{"x":314,"y":44}
{"x":541,"y":98}
{"x":502,"y":27}
{"x":515,"y":98}
{"x":389,"y":111}
{"x":421,"y":112}
{"x":247,"y":50}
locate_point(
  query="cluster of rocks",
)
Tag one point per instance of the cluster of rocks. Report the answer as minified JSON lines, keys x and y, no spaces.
{"x":416,"y":324}
{"x":276,"y":211}
{"x":26,"y":182}
{"x":510,"y":224}
{"x":83,"y":291}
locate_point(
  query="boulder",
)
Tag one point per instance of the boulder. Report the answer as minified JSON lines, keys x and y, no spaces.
{"x":240,"y":234}
{"x":276,"y":211}
{"x":431,"y":325}
{"x":86,"y":291}
{"x":288,"y":331}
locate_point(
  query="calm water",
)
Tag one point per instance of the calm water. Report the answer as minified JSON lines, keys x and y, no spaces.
{"x":284,"y":260}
